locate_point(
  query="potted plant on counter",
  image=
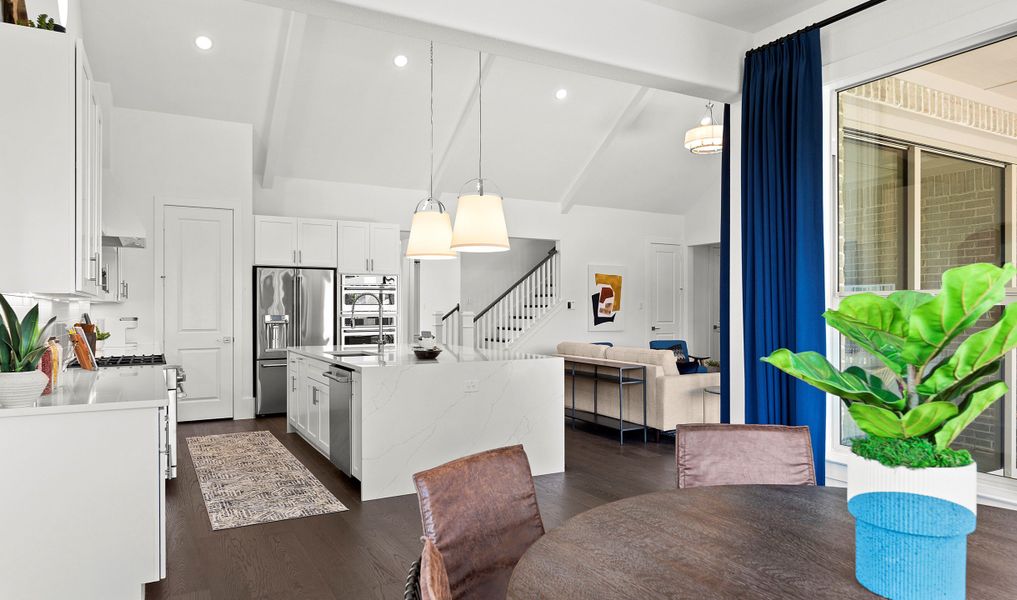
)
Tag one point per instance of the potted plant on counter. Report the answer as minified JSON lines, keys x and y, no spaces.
{"x":914,"y":497}
{"x":22,"y":344}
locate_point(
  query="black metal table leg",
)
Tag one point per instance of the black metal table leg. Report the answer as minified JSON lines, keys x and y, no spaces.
{"x":644,"y":404}
{"x":621,"y":420}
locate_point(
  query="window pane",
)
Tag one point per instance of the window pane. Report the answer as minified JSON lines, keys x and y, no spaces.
{"x":962,"y":215}
{"x":872,"y":197}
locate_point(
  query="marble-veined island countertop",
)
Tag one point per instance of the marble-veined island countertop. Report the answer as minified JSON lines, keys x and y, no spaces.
{"x":416,"y":414}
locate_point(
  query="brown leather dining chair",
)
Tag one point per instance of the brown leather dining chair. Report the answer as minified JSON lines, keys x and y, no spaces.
{"x":480,"y":513}
{"x":716,"y":454}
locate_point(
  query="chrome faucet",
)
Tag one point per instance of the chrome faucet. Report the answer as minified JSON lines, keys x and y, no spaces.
{"x":381,"y":319}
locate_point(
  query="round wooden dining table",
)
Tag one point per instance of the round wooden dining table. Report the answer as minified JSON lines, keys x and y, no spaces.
{"x":748,"y":541}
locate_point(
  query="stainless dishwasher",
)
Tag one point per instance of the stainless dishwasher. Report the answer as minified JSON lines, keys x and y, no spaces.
{"x":340,"y":418}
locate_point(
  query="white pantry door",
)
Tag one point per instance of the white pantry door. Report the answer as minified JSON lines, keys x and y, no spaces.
{"x":665,"y":270}
{"x":199,"y":307}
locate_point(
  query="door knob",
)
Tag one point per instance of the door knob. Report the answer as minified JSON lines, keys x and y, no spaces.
{"x":225,"y":340}
{"x":653,"y":328}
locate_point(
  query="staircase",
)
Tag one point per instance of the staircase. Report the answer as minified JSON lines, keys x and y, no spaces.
{"x":522,"y":306}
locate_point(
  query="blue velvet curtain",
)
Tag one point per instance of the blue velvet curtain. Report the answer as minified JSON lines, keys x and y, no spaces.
{"x":782,"y":230}
{"x":725,"y":270}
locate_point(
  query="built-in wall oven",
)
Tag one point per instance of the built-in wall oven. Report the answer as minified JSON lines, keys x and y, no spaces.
{"x":358,"y":320}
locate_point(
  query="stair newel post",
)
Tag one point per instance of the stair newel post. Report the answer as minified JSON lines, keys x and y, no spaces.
{"x":439,"y":328}
{"x":468,"y":329}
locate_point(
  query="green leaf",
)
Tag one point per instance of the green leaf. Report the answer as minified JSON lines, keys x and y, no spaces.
{"x":962,"y":386}
{"x":13,"y":325}
{"x":30,"y":361}
{"x":927,"y":417}
{"x":981,"y":349}
{"x":973,"y":406}
{"x":814,"y":369}
{"x":5,"y":349}
{"x":876,"y":421}
{"x":29,"y":330}
{"x":874,"y":323}
{"x":875,"y":382}
{"x":967,"y":293}
{"x":908,"y":300}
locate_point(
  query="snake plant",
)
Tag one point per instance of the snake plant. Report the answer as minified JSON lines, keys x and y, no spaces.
{"x":929,"y":393}
{"x":22,"y":343}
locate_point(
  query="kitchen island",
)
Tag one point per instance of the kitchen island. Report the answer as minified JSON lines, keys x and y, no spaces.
{"x":409,"y":414}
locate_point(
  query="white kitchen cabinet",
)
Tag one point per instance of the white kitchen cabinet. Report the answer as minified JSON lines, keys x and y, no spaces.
{"x":50,"y":164}
{"x":307,"y":408}
{"x":293,"y":389}
{"x":368,"y":248}
{"x":296,"y":242}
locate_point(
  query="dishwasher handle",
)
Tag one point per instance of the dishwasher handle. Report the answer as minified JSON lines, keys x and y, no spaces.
{"x":338,"y":379}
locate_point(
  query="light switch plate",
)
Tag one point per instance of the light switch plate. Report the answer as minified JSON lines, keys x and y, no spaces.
{"x":471,"y":386}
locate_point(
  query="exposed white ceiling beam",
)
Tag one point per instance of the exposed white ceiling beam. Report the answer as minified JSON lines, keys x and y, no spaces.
{"x":632,"y":110}
{"x":641,"y":43}
{"x":285,"y":82}
{"x":464,"y":116}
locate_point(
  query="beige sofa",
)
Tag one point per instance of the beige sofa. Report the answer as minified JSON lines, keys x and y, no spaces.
{"x":671,"y":398}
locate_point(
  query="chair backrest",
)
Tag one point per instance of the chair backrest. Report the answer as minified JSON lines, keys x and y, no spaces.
{"x":481,"y":513}
{"x":608,"y":344}
{"x":680,"y":345}
{"x":713,"y":454}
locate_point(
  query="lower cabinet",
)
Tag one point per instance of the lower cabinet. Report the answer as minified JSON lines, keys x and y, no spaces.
{"x":307,"y":407}
{"x":82,"y":513}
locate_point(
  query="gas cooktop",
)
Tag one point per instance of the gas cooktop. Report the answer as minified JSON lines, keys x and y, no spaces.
{"x":131,"y":360}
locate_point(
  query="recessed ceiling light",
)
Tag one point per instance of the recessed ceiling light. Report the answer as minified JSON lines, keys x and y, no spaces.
{"x":400,"y":61}
{"x":561,"y":94}
{"x":203,"y":42}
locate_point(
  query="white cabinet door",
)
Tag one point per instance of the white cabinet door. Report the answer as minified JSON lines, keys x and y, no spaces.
{"x":313,"y":389}
{"x":86,"y":203}
{"x":317,"y":242}
{"x":292,"y":389}
{"x":384,"y":248}
{"x":354,"y":247}
{"x":324,"y":431}
{"x":301,"y":398}
{"x":275,"y":241}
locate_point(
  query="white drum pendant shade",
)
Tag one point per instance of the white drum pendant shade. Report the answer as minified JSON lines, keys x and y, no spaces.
{"x":430,"y":236}
{"x":708,"y":137}
{"x":480,"y":221}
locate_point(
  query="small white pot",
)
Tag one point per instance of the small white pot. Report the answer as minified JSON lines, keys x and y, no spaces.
{"x":18,"y":390}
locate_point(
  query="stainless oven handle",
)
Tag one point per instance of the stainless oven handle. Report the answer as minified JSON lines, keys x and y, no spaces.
{"x":272,"y":366}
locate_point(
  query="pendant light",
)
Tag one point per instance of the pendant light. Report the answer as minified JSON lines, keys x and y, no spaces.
{"x":431,"y":228}
{"x":708,"y":137}
{"x":480,"y":218}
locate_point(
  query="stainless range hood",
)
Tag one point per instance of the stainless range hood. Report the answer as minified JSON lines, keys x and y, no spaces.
{"x":122,"y":241}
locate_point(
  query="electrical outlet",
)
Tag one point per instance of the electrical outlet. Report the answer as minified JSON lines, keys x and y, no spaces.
{"x":471,"y":386}
{"x":568,"y":305}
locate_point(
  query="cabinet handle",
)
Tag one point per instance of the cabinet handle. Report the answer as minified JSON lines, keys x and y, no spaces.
{"x":125,"y":290}
{"x":367,"y":265}
{"x":293,"y":384}
{"x":93,"y":267}
{"x":372,"y":265}
{"x":294,"y":256}
{"x":300,"y":256}
{"x":314,"y":395}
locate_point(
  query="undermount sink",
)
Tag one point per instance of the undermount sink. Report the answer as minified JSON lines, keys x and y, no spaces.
{"x":348,"y":353}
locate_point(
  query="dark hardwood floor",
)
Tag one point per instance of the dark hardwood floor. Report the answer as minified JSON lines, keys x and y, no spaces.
{"x":364,"y":552}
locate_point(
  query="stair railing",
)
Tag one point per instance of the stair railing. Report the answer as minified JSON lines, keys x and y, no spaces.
{"x":522,"y":305}
{"x":448,"y":327}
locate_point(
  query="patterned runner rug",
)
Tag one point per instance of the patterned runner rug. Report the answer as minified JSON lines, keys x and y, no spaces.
{"x":251,"y":478}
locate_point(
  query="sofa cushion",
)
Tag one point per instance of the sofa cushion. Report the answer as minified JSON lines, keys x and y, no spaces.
{"x":644,"y":356}
{"x":582,"y":349}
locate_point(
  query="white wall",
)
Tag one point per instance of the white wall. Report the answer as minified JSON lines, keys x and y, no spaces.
{"x":173,"y":158}
{"x":879,"y":41}
{"x":485,"y":276}
{"x":586,"y":235}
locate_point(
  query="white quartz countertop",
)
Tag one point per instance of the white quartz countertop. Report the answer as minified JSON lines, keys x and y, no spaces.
{"x":110,"y":388}
{"x":403,"y":355}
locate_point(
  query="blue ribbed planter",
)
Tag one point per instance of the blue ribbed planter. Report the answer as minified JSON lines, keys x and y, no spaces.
{"x":911,"y":528}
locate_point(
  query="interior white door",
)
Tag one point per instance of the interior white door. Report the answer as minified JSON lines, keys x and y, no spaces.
{"x":275,"y":241}
{"x":715,"y":304}
{"x":199,"y":305}
{"x":354,"y":245}
{"x":666,"y":294}
{"x":385,"y":248}
{"x":318,"y":247}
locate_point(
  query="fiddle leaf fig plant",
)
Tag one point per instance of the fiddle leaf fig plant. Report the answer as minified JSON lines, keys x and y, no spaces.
{"x":22,"y":343}
{"x":930,"y":395}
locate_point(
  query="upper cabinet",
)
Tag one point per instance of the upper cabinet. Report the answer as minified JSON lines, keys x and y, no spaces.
{"x":288,"y":241}
{"x":50,"y":165}
{"x":368,"y":247}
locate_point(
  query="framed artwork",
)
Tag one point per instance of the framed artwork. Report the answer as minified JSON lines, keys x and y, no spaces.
{"x":605,"y":297}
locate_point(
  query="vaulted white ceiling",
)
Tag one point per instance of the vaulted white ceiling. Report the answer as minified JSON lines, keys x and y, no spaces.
{"x":352,"y":116}
{"x":746,"y":15}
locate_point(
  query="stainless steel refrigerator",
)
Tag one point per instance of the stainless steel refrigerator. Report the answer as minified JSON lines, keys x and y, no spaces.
{"x":292,"y":307}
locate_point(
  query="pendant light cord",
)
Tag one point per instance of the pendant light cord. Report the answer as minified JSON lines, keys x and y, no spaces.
{"x":480,"y":103}
{"x":430,"y":189}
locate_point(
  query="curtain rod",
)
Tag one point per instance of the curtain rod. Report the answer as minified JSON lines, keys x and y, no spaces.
{"x":818,"y":25}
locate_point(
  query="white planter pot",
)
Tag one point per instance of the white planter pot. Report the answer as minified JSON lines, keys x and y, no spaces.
{"x":911,"y":528}
{"x":21,"y":389}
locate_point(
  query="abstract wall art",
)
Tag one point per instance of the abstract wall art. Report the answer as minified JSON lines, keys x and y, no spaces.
{"x":605,"y":298}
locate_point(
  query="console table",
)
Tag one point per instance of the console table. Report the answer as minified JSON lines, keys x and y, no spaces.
{"x":620,"y":373}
